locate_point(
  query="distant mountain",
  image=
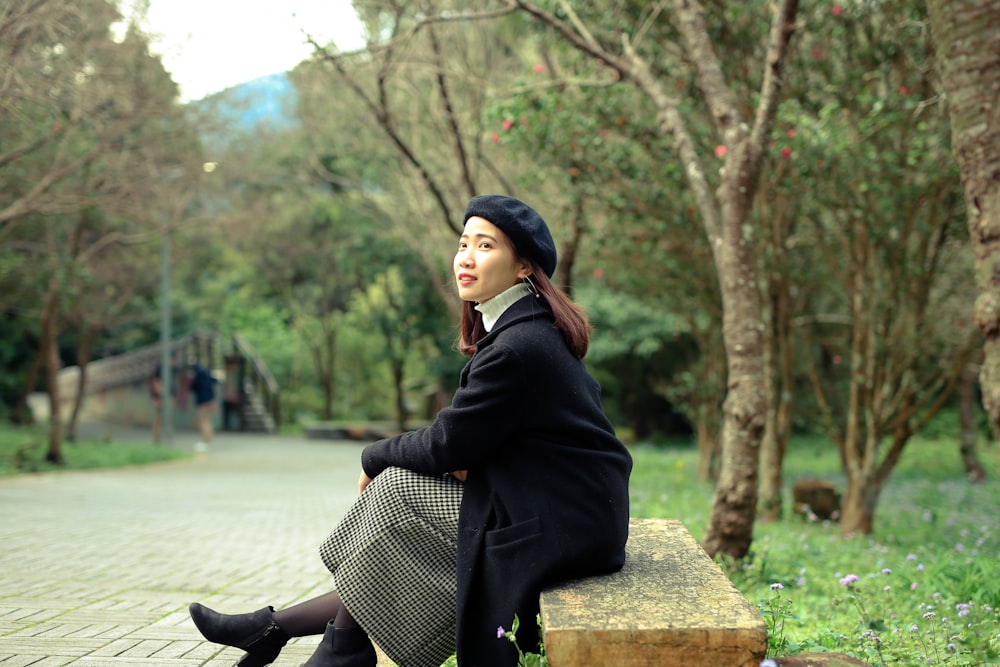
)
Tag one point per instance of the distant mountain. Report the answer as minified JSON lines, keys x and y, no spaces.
{"x":268,"y":100}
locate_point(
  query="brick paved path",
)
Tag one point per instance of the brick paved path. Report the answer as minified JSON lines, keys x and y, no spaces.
{"x":98,"y":568}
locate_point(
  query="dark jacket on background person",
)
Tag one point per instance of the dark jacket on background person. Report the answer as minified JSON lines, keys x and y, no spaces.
{"x":546,"y":497}
{"x":202,"y":385}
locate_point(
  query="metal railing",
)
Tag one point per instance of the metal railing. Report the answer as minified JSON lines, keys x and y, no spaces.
{"x":257,"y":379}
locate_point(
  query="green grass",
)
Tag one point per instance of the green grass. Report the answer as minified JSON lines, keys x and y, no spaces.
{"x":928,"y":587}
{"x":23,"y":449}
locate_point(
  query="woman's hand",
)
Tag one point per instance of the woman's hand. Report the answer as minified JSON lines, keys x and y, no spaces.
{"x":460,"y":475}
{"x":363,"y":482}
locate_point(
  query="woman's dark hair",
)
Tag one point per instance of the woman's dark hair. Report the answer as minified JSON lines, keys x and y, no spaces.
{"x":570,"y":319}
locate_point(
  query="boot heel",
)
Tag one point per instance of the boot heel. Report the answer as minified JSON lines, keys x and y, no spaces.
{"x":258,"y":659}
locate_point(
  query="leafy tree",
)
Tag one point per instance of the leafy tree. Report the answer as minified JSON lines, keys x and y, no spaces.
{"x":878,"y":212}
{"x":643,"y":357}
{"x":724,"y":218}
{"x":725,"y":214}
{"x":634,"y":229}
{"x":407,"y":317}
{"x":413,"y":102}
{"x":95,"y":126}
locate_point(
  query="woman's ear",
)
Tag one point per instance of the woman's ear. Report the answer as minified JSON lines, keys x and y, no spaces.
{"x":524,"y":272}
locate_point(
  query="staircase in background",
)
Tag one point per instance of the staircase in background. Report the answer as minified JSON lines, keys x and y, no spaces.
{"x":248,"y":394}
{"x":259,"y":396}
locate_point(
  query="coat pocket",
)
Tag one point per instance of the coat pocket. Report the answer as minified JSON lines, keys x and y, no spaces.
{"x":514,"y":534}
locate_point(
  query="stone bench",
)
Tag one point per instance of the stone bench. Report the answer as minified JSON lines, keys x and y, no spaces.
{"x":669,"y":605}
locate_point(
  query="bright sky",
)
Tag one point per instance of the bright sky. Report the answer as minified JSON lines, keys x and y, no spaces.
{"x":210,"y":45}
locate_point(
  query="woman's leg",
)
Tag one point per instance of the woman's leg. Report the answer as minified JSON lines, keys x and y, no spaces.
{"x":311,"y":617}
{"x":263,"y":633}
{"x":344,"y":644}
{"x":203,"y":415}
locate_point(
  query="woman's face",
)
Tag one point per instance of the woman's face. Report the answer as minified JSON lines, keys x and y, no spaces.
{"x":486,"y":263}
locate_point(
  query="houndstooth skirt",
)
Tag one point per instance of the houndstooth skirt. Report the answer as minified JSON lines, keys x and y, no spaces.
{"x":393,"y":559}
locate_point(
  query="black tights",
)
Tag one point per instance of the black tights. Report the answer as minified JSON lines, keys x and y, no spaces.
{"x":312,"y":616}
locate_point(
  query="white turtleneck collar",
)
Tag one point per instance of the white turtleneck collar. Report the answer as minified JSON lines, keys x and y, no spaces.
{"x":495,"y":307}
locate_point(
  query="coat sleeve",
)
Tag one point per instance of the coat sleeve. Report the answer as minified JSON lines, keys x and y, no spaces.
{"x":486,"y":410}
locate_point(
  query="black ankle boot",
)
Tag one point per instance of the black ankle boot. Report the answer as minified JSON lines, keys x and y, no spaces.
{"x":256,"y":633}
{"x":343,"y":647}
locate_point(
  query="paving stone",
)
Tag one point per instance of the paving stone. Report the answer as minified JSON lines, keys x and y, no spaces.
{"x":100,"y":566}
{"x":32,"y":661}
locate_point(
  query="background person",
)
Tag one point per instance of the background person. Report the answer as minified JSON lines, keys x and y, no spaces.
{"x":156,"y":398}
{"x":203,"y":388}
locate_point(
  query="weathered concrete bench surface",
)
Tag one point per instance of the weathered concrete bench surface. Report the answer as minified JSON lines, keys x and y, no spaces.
{"x":669,"y":605}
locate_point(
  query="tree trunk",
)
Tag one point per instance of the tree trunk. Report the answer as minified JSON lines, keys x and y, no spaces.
{"x":397,"y":381}
{"x":30,"y":381}
{"x":735,"y":506}
{"x":83,"y":350}
{"x":769,"y":507}
{"x":571,"y":247}
{"x":323,"y":354}
{"x":857,"y":509}
{"x":967,"y":418}
{"x":778,"y":375}
{"x":866,"y":474}
{"x":967,"y":42}
{"x":328,"y":375}
{"x":708,"y":449}
{"x":50,"y":353}
{"x":779,"y":210}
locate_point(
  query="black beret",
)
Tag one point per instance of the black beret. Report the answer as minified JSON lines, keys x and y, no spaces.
{"x":521,"y":223}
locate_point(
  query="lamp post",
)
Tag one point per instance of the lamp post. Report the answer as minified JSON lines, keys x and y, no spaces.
{"x":166,"y":353}
{"x":166,"y":371}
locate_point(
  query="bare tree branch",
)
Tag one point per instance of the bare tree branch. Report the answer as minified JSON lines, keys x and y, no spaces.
{"x":449,"y":112}
{"x":782,"y":29}
{"x":578,"y":24}
{"x":620,"y":65}
{"x":381,"y":111}
{"x":721,"y":101}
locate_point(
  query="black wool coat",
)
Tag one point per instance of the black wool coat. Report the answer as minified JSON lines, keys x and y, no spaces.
{"x":546,"y":497}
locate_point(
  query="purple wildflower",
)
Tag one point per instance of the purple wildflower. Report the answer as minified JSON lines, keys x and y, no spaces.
{"x":500,"y":632}
{"x":776,"y":586}
{"x":872,"y":636}
{"x":848,"y":580}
